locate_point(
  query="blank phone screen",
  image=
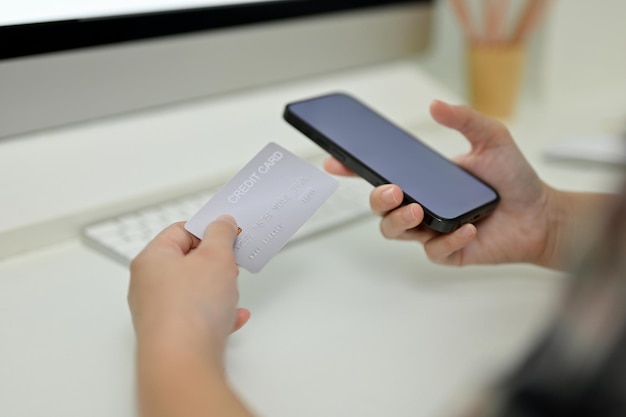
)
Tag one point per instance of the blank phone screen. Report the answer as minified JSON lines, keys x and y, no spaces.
{"x":429,"y":178}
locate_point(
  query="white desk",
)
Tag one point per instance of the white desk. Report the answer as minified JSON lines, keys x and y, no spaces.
{"x":345,"y":324}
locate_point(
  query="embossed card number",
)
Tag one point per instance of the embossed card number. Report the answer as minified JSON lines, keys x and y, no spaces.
{"x":271,"y":198}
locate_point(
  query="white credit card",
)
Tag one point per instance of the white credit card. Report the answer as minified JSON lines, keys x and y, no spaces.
{"x":270,"y":198}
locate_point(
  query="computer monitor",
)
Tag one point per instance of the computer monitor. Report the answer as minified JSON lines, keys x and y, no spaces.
{"x":68,"y":62}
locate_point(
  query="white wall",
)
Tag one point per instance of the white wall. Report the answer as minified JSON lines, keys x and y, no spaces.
{"x":585,"y":49}
{"x":579,"y":50}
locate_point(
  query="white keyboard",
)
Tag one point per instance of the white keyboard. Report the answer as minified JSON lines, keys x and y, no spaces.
{"x":124,"y":236}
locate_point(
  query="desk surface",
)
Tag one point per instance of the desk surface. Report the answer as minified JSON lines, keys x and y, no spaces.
{"x":347,"y":323}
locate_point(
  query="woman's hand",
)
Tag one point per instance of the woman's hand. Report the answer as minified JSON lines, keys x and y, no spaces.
{"x":185,"y":290}
{"x":183,"y":298}
{"x":521,"y":229}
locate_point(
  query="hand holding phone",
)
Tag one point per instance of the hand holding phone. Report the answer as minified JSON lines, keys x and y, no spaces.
{"x":382,"y":153}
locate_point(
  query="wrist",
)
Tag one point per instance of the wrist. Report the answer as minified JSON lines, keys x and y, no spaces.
{"x":571,"y":217}
{"x":557,"y":218}
{"x":173,"y":337}
{"x":179,"y":373}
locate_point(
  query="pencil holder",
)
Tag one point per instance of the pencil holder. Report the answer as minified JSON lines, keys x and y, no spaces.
{"x":494,"y":77}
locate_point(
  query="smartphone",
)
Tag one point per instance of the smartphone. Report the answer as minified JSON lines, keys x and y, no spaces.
{"x":382,"y":153}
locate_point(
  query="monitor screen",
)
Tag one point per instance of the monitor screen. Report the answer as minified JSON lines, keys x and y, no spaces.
{"x":33,"y":11}
{"x":30,"y":27}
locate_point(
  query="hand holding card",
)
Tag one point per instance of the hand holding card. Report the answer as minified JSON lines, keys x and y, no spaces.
{"x":271,"y":198}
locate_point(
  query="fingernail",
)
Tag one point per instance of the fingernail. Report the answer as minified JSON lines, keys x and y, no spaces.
{"x":409,"y":213}
{"x":389,"y":196}
{"x":228,"y":219}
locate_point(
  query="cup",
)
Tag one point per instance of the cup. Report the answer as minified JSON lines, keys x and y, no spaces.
{"x":494,"y":77}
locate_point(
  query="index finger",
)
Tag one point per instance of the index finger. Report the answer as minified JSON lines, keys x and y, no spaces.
{"x":333,"y":166}
{"x":175,"y":239}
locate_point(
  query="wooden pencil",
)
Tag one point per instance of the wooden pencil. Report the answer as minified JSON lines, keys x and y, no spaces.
{"x":530,"y":17}
{"x":464,"y":17}
{"x":500,"y":10}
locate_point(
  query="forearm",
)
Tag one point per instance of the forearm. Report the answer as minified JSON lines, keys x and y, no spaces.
{"x":183,"y":379}
{"x":572,"y":217}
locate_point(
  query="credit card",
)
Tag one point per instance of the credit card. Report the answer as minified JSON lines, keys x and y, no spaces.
{"x":270,"y":198}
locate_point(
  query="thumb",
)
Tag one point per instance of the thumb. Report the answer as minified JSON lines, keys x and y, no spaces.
{"x":218,"y":238}
{"x":481,"y":131}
